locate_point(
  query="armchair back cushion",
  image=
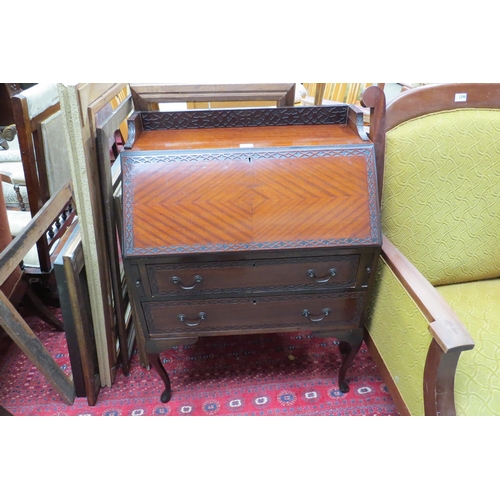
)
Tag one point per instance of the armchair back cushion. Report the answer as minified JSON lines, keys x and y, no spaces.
{"x":441,"y":200}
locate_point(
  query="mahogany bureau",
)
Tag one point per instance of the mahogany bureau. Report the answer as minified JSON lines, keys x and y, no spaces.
{"x":249,"y":221}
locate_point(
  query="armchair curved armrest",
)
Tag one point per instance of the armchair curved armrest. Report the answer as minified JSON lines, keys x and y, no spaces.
{"x":444,"y":325}
{"x":450,"y":336}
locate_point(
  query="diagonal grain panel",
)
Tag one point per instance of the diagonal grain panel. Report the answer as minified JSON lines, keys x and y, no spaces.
{"x":312,"y":219}
{"x":311,"y":177}
{"x":249,"y":199}
{"x":201,"y":223}
{"x":191,"y":182}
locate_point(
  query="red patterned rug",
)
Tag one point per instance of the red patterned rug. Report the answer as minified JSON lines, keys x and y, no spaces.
{"x":279,"y":374}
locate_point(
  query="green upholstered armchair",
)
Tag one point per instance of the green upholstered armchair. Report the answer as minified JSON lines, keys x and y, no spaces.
{"x":434,"y":322}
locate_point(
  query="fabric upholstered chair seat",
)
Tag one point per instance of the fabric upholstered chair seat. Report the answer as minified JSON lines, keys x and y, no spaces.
{"x":18,"y":220}
{"x":477,"y":383}
{"x":15,"y":171}
{"x":12,"y":166}
{"x":9,"y":155}
{"x":440,"y":213}
{"x":444,"y":216}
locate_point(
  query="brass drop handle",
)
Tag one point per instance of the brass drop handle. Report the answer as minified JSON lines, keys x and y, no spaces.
{"x":316,"y":318}
{"x":329,"y":275}
{"x":177,"y":281}
{"x":201,"y":316}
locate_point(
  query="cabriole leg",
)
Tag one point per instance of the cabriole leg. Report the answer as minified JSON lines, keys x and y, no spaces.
{"x":349,"y":348}
{"x":156,"y":363}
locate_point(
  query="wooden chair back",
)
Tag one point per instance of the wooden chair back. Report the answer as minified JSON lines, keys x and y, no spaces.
{"x":45,"y":157}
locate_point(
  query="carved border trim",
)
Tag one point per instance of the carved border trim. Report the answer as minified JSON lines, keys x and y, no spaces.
{"x":249,"y":117}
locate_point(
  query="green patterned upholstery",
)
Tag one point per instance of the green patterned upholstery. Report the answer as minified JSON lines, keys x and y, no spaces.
{"x":441,"y":209}
{"x":477,"y":381}
{"x":441,"y":194}
{"x":399,"y":331}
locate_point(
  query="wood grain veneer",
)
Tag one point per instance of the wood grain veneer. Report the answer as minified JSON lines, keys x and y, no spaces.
{"x":260,"y":137}
{"x":231,"y":228}
{"x":248,"y":203}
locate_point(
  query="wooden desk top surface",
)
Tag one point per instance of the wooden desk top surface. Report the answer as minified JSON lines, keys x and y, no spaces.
{"x":259,"y":137}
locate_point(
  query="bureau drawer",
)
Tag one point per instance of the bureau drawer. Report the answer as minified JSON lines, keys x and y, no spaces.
{"x":259,"y":314}
{"x":253,"y":276}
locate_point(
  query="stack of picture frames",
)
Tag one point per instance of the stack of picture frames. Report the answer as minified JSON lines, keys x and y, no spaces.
{"x":95,"y":124}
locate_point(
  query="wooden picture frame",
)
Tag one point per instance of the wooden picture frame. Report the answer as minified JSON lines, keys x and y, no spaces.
{"x":80,"y":104}
{"x":147,"y":96}
{"x":108,"y":122}
{"x":73,"y":291}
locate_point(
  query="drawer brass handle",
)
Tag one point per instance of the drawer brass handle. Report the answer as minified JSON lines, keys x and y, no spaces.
{"x":326,"y":311}
{"x":177,"y":281}
{"x":201,"y":316}
{"x":329,"y":275}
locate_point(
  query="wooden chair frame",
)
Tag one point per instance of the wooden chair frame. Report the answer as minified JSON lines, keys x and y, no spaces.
{"x":35,"y":173}
{"x":449,"y":335}
{"x":10,"y":319}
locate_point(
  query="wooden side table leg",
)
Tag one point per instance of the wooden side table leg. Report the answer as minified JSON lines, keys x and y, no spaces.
{"x":349,"y":348}
{"x":156,"y":363}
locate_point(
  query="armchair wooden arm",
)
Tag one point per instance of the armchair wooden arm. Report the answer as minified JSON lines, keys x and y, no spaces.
{"x":444,"y":325}
{"x":450,"y":336}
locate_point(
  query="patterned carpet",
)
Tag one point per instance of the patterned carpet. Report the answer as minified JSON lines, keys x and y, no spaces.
{"x":278,"y":374}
